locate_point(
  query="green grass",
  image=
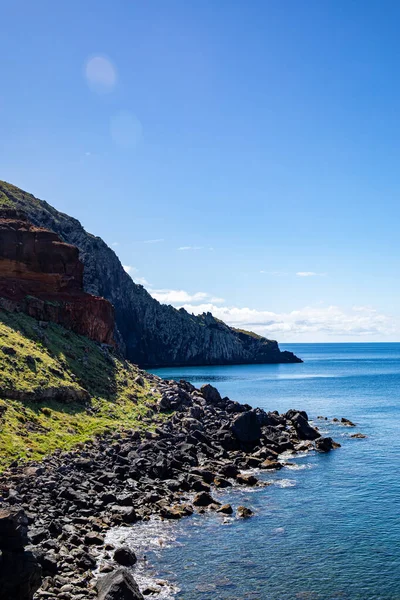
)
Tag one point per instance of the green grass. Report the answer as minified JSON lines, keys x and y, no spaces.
{"x":249,"y":333}
{"x":11,"y":196}
{"x":35,"y":360}
{"x":5,"y":201}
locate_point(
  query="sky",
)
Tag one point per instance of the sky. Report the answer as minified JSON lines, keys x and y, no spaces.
{"x":239,"y":157}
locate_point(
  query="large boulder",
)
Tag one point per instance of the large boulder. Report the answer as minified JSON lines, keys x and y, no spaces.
{"x":303,"y":428}
{"x":13,"y":529}
{"x":210,"y":393}
{"x":20,"y":572}
{"x":246,"y":427}
{"x":20,"y":575}
{"x":292,"y":412}
{"x":118,"y":585}
{"x":324,"y":444}
{"x":125,"y":557}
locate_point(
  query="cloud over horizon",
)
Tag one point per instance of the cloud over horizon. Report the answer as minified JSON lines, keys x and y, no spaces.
{"x":331,"y":320}
{"x":179,"y":297}
{"x":309,"y":321}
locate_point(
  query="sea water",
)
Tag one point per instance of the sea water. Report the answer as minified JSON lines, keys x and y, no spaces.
{"x":328,"y":527}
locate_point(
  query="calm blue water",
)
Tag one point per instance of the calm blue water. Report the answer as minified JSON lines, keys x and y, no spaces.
{"x":327,"y":529}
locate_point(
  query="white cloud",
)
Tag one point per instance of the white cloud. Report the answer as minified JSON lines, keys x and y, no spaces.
{"x":115,"y":244}
{"x":309,"y":322}
{"x":141,"y":281}
{"x":129,"y":269}
{"x":191,"y":248}
{"x":158,"y":241}
{"x":178,"y":296}
{"x":132,"y":271}
{"x":309,"y":274}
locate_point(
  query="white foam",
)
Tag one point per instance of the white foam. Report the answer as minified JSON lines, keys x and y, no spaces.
{"x":284,"y":483}
{"x":142,"y":538}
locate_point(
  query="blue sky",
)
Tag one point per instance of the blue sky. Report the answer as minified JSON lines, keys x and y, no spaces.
{"x":240,"y":156}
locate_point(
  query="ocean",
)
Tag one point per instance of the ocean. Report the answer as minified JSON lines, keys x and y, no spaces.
{"x":328,"y":527}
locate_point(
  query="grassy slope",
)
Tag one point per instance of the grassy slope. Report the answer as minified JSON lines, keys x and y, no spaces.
{"x":34,"y":358}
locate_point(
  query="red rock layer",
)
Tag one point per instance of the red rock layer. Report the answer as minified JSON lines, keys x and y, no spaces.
{"x":43,"y":276}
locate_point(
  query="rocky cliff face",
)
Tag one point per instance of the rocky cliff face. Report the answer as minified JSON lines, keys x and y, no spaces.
{"x":43,"y":276}
{"x":150,"y":333}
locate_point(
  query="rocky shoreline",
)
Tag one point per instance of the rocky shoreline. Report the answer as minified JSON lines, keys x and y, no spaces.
{"x":54,"y":515}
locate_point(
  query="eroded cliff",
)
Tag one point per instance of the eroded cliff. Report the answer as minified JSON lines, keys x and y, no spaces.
{"x":150,"y":334}
{"x":43,"y":276}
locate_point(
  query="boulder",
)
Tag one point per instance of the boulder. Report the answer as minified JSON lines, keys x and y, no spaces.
{"x":271,"y":464}
{"x":20,"y":575}
{"x":324,"y":444}
{"x":246,"y":479}
{"x":210,"y":393}
{"x":13,"y":529}
{"x":125,"y":557}
{"x":20,"y":572}
{"x":292,"y":412}
{"x":246,"y":427}
{"x":243,"y":512}
{"x":225,"y":509}
{"x":347,"y":422}
{"x":303,"y":428}
{"x":204,"y":499}
{"x":118,"y":585}
{"x":94,"y":539}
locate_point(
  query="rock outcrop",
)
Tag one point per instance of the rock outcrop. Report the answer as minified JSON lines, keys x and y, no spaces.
{"x":149,"y":333}
{"x":20,"y":573}
{"x":43,"y":276}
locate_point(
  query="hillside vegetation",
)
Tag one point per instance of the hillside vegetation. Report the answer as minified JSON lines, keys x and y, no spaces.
{"x":58,"y":389}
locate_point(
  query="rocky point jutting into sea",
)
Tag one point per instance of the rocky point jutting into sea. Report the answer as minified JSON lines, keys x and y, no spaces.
{"x":90,"y":441}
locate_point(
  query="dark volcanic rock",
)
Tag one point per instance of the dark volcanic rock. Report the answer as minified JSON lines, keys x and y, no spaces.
{"x":204,"y":499}
{"x":125,"y":557}
{"x":210,"y":393}
{"x":347,"y":422}
{"x":243,"y":512}
{"x":152,"y":334}
{"x":118,"y":478}
{"x":303,"y":428}
{"x":118,"y":585}
{"x":20,"y":572}
{"x":13,"y":529}
{"x":324,"y":444}
{"x":246,"y":427}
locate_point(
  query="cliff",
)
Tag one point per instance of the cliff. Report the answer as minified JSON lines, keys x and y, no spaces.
{"x":149,"y":333}
{"x":43,"y":276}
